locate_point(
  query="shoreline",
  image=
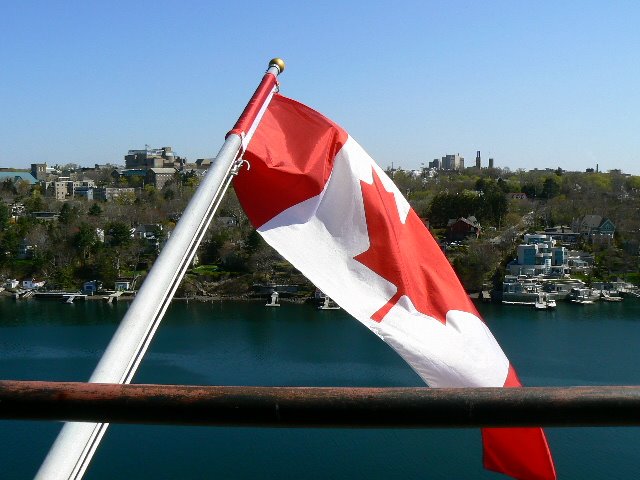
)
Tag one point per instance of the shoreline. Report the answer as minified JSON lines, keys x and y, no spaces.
{"x":194,"y":298}
{"x":199,"y":298}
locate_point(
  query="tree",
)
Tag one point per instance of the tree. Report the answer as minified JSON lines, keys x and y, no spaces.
{"x":9,"y":242}
{"x":5,"y":214}
{"x":85,"y":238}
{"x":34,"y":203}
{"x":119,"y":234}
{"x":95,"y":210}
{"x":633,"y":183}
{"x":68,"y":214}
{"x":168,"y":194}
{"x":493,"y":206}
{"x":253,"y":243}
{"x":446,"y":205}
{"x":8,"y":186}
{"x":550,"y":188}
{"x":476,"y":264}
{"x":126,"y":198}
{"x":481,"y":184}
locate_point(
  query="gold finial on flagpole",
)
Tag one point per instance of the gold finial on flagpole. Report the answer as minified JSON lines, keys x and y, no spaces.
{"x":277,"y":62}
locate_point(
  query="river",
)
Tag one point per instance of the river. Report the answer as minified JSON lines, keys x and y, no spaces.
{"x":232,"y":343}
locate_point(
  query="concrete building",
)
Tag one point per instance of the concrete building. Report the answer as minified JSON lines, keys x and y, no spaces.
{"x":448,"y":162}
{"x":152,"y":158}
{"x":203,"y":163}
{"x":452,"y":162}
{"x":539,"y":255}
{"x":39,"y":171}
{"x":108,"y":194}
{"x":85,"y":192}
{"x":64,"y":188}
{"x":158,"y":177}
{"x":478,"y":160}
{"x":60,"y":189}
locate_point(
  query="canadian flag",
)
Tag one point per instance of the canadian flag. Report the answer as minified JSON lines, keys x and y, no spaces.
{"x":316,"y":196}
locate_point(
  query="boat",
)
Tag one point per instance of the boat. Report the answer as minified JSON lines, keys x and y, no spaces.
{"x":540,"y":305}
{"x":323,"y":302}
{"x":609,"y":296}
{"x":582,"y":296}
{"x":544,"y":302}
{"x":274,"y":301}
{"x":328,"y":304}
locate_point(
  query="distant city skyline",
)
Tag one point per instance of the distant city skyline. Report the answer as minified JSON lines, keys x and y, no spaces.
{"x":484,"y":163}
{"x":532,"y":85}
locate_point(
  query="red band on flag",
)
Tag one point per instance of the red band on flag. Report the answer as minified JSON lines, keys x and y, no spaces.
{"x":291,"y":157}
{"x":510,"y":450}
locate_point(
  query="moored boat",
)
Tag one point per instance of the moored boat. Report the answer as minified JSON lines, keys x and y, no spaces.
{"x":582,"y":296}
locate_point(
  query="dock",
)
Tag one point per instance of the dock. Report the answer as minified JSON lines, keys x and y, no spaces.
{"x":113,"y":296}
{"x":66,"y":297}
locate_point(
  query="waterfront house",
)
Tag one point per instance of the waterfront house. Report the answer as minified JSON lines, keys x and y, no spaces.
{"x":520,"y":290}
{"x":122,"y":285}
{"x":595,"y":228}
{"x":31,"y":283}
{"x":580,"y":261}
{"x":563,"y":234}
{"x":11,"y":283}
{"x":153,"y":234}
{"x":539,"y":255}
{"x":91,"y":287}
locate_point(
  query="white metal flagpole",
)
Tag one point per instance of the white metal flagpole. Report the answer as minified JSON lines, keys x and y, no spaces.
{"x":74,"y":447}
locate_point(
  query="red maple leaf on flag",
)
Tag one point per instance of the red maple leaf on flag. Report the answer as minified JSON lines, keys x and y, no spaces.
{"x":405,"y":254}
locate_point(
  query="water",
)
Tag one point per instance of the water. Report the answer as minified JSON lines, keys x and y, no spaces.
{"x":247,"y":344}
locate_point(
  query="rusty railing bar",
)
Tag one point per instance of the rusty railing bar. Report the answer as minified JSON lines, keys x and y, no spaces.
{"x":321,"y":407}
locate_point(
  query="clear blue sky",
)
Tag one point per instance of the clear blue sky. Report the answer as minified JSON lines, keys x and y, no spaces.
{"x":532,"y":84}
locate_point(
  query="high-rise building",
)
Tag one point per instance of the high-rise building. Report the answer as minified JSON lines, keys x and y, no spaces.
{"x":491,"y":163}
{"x":478,"y":161}
{"x":452,"y":162}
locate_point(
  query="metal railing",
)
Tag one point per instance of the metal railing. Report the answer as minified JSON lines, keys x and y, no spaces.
{"x":418,"y":407}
